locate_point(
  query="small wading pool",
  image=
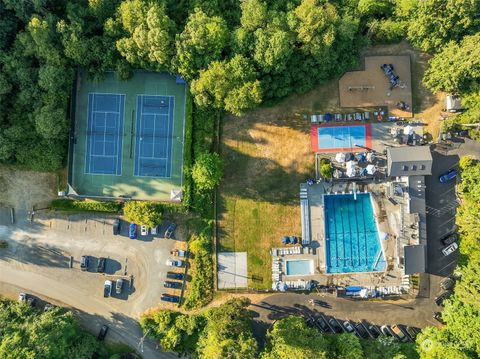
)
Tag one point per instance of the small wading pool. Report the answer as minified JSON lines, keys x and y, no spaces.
{"x":299,"y":267}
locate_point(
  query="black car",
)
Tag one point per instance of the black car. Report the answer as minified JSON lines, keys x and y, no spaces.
{"x":361,"y":331}
{"x":173,"y":275}
{"x":441,"y":298}
{"x":116,"y":226}
{"x":335,"y":325}
{"x":174,"y":285}
{"x":101,"y":264}
{"x":170,"y":229}
{"x":103,"y":332}
{"x":170,"y":298}
{"x":322,"y":324}
{"x":374,"y":331}
{"x":84,"y":263}
{"x":438,"y":317}
{"x":449,"y":239}
{"x":412,"y":333}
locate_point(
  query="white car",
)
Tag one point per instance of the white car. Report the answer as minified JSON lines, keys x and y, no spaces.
{"x":143,"y":230}
{"x":450,"y":249}
{"x":174,"y":262}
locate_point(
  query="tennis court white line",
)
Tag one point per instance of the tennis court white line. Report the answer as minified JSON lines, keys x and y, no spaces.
{"x":93,"y":128}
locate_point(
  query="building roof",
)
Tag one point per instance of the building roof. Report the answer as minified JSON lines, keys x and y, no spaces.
{"x":409,"y":161}
{"x":414,"y":259}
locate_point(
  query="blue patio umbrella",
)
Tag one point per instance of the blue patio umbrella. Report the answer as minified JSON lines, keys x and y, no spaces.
{"x":286,"y":240}
{"x":328,"y":117}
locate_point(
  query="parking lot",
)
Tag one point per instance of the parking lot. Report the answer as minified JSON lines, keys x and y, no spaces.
{"x":44,"y":256}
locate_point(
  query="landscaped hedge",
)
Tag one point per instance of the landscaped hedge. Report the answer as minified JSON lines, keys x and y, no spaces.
{"x":69,"y":205}
{"x":188,"y":154}
{"x":200,"y":291}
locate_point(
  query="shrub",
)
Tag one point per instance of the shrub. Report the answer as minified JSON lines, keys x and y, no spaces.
{"x":326,"y":170}
{"x":387,"y":31}
{"x":207,"y":171}
{"x":200,"y":292}
{"x":65,"y":204}
{"x":146,"y":213}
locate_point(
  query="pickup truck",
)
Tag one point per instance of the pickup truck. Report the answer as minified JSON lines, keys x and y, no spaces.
{"x":179,"y":253}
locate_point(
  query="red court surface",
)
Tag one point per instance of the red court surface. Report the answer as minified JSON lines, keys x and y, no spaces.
{"x":340,"y":137}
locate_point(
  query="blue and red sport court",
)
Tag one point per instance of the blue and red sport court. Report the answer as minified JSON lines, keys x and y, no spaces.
{"x":338,"y":137}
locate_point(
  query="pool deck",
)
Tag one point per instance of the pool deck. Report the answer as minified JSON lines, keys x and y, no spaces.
{"x":388,"y":219}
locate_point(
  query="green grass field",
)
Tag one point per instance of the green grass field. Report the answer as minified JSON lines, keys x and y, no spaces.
{"x":128,"y":185}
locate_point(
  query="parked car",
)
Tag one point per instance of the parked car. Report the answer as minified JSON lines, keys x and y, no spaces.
{"x":154,"y":230}
{"x":361,"y":331}
{"x":451,"y":174}
{"x":178,"y":253}
{"x":335,"y":325}
{"x":102,"y":261}
{"x":399,"y":333}
{"x":348,"y":326}
{"x":447,"y":283}
{"x":449,"y":239}
{"x":103,"y":332}
{"x":374,"y":331}
{"x":107,"y":288}
{"x":23,"y":297}
{"x":119,"y":285}
{"x":173,"y":275}
{"x":412,"y":333}
{"x":386,"y":331}
{"x":116,"y":226}
{"x":438,"y":317}
{"x":170,"y":229}
{"x":450,"y":249}
{"x":170,"y":298}
{"x":132,"y":231}
{"x":322,"y":324}
{"x":441,"y":298}
{"x":174,"y":285}
{"x":84,"y":261}
{"x":48,"y":307}
{"x":143,"y":230}
{"x":175,"y":262}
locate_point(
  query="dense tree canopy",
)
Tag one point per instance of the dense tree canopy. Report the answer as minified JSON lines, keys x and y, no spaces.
{"x":26,"y":333}
{"x":436,"y":22}
{"x":143,"y":212}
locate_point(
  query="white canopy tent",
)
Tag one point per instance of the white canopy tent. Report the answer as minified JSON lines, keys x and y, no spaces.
{"x":340,"y":157}
{"x":408,"y":130}
{"x":371,"y":169}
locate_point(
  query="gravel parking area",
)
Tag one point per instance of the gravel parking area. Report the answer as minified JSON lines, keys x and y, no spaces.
{"x":40,"y":253}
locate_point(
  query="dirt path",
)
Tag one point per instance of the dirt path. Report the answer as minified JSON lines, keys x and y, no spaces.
{"x":25,"y":189}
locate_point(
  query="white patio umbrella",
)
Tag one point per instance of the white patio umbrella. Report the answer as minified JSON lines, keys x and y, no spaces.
{"x":350,"y":171}
{"x":340,"y":157}
{"x":350,"y":164}
{"x":371,"y":169}
{"x":408,"y":130}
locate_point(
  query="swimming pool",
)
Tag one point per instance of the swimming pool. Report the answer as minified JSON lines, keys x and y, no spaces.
{"x":299,"y":267}
{"x":352,"y":242}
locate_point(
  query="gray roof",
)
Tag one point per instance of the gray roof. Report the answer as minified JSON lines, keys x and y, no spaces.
{"x":416,"y":190}
{"x":409,"y":161}
{"x":414,"y":259}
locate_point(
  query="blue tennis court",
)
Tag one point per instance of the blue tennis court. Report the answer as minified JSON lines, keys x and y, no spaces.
{"x":340,"y":137}
{"x":104,"y":134}
{"x":153,"y":145}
